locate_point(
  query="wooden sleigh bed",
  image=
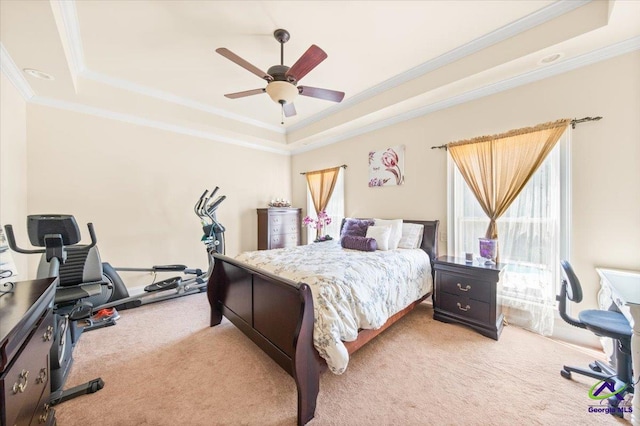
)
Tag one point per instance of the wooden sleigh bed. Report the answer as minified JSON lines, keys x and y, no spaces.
{"x":277,"y":314}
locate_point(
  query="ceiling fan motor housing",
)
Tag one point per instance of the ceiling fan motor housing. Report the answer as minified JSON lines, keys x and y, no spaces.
{"x":278,"y":72}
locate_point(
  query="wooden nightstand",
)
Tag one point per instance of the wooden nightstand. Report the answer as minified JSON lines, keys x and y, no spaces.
{"x":466,"y":293}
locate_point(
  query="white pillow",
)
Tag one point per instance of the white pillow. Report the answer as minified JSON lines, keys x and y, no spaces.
{"x":411,"y":236}
{"x":396,"y":230}
{"x":381,"y":235}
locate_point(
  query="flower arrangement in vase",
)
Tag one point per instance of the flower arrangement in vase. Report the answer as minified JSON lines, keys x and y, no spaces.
{"x":318,"y":224}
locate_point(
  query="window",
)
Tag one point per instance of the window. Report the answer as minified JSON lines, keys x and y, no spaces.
{"x":533,"y":235}
{"x":335,"y":209}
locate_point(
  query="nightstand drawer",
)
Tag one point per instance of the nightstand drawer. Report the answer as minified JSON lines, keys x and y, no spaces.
{"x":465,"y":307}
{"x":461,"y":285}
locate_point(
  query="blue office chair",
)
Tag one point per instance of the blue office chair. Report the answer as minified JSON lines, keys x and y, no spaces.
{"x":601,"y":323}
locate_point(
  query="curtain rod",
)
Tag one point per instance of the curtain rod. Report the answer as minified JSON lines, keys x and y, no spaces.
{"x":573,"y":126}
{"x":343,"y":166}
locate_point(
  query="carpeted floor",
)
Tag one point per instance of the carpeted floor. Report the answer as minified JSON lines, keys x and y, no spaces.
{"x":163,"y":365}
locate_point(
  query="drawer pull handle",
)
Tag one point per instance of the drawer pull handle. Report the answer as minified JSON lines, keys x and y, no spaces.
{"x":466,"y":288}
{"x":21,"y":384}
{"x":42,"y":376}
{"x":466,"y":308}
{"x":48,"y":334}
{"x":43,"y":417}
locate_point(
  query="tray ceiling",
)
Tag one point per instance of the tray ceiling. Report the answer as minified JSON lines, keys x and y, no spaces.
{"x":154,"y":62}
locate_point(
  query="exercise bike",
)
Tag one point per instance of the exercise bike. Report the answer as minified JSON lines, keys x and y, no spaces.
{"x":74,"y":303}
{"x":59,"y":235}
{"x":213,"y":239}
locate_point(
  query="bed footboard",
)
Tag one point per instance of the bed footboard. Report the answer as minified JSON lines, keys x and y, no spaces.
{"x":277,"y":315}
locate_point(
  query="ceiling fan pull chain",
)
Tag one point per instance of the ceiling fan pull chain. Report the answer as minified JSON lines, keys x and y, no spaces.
{"x":282,"y":112}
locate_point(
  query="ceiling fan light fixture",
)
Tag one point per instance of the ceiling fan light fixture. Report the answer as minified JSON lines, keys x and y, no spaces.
{"x":282,"y":91}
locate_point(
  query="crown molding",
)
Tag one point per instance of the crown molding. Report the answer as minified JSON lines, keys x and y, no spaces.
{"x":17,"y":78}
{"x":532,"y":20}
{"x":155,"y":124}
{"x":14,"y":74}
{"x":171,"y":98}
{"x":72,"y":26}
{"x":599,"y":55}
{"x":69,"y":15}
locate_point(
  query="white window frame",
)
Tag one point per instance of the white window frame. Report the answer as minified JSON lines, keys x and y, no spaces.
{"x":335,"y":209}
{"x":564,"y":144}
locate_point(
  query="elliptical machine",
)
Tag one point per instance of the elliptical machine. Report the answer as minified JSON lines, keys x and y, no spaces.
{"x":75,"y":304}
{"x":213,"y":239}
{"x":59,"y":234}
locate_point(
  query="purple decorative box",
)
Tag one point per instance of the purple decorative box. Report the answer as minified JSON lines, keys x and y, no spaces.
{"x":488,"y":248}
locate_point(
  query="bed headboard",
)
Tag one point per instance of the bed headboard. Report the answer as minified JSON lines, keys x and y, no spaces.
{"x":429,"y":239}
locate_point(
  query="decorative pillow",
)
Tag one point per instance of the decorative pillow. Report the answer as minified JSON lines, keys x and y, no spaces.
{"x":381,"y":235}
{"x":355,"y":227}
{"x":396,"y":231}
{"x":411,"y":236}
{"x":359,"y":243}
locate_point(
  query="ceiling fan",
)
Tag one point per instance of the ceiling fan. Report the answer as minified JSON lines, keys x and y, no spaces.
{"x":282,"y":81}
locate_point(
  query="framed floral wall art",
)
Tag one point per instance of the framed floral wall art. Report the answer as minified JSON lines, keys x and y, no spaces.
{"x":386,"y":168}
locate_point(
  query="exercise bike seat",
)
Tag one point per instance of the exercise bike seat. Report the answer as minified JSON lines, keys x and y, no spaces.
{"x":167,"y":284}
{"x":73,"y":293}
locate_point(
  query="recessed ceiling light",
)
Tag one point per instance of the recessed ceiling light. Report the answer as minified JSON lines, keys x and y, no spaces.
{"x":551,"y":58}
{"x":38,"y":74}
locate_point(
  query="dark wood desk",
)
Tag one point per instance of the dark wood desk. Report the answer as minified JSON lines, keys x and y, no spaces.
{"x":26,"y":336}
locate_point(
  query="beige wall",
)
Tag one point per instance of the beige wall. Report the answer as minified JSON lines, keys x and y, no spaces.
{"x":138,"y":185}
{"x":605,"y":160}
{"x":13,"y":165}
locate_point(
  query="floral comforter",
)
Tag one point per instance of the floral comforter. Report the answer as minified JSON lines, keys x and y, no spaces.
{"x":351,"y":289}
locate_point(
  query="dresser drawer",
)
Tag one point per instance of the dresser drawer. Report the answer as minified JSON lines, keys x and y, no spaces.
{"x":467,"y":286}
{"x":290,"y":226}
{"x":286,"y":221}
{"x":465,"y":307}
{"x":24,"y":383}
{"x":282,"y":241}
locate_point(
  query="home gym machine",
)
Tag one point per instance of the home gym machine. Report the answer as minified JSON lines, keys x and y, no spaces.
{"x":59,"y":235}
{"x":86,"y":282}
{"x":213,"y":239}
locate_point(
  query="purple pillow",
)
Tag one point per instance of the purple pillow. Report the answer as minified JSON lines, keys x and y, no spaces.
{"x":359,"y":243}
{"x":355,"y":227}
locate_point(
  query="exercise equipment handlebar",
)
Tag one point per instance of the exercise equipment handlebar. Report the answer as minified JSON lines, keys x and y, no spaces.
{"x":11,"y":240}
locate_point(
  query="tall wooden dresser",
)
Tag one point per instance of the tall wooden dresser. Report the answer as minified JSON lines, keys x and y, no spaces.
{"x":279,"y":227}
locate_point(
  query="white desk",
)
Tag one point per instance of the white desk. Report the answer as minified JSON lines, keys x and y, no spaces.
{"x":624,"y":287}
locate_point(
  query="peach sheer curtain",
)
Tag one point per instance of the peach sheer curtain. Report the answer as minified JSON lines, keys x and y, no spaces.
{"x":321,"y":184}
{"x":497,"y":167}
